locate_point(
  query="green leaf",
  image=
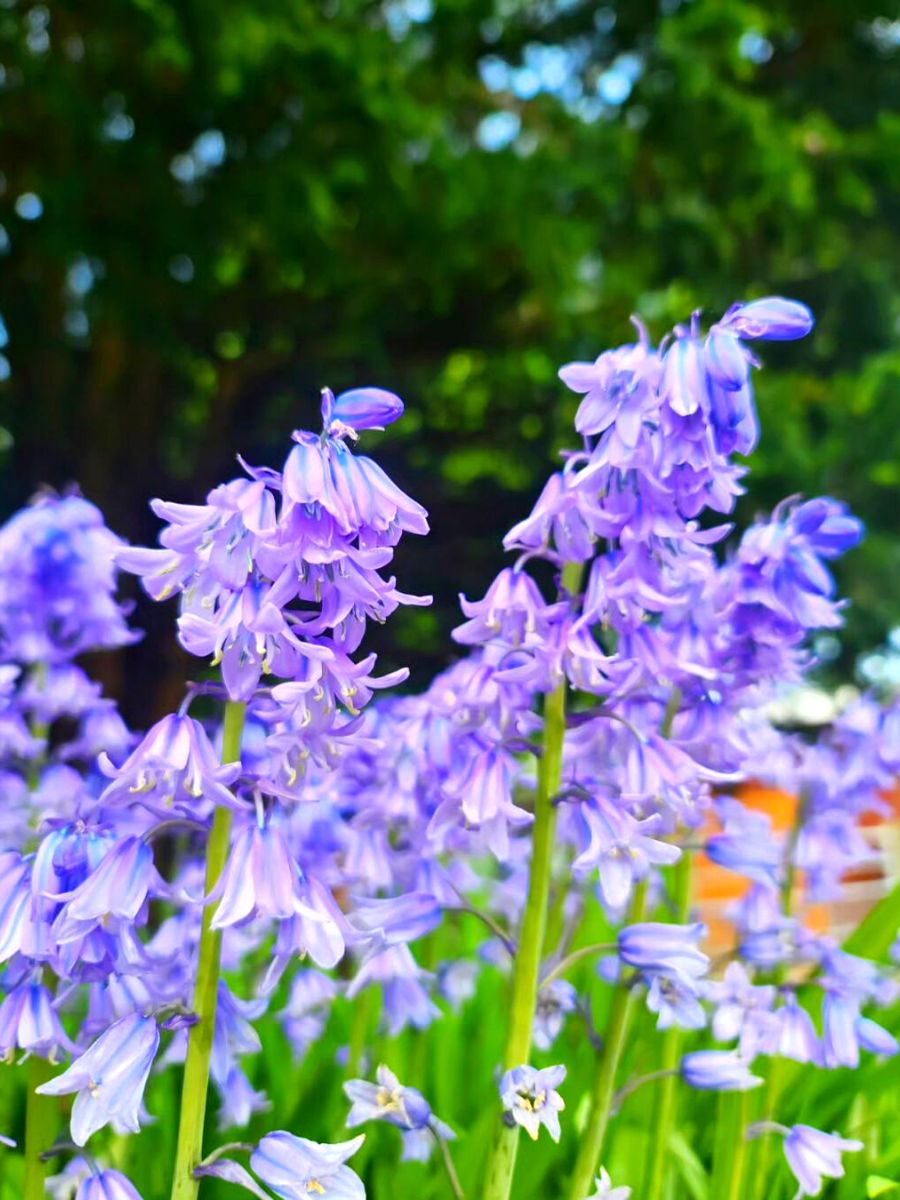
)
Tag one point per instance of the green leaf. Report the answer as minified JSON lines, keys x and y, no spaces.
{"x":690,"y":1168}
{"x":877,"y":1185}
{"x":873,"y":936}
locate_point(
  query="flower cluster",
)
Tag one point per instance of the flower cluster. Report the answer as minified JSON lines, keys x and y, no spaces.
{"x":272,"y":852}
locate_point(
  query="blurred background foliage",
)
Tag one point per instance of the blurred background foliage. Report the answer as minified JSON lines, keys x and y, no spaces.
{"x":210,"y":209}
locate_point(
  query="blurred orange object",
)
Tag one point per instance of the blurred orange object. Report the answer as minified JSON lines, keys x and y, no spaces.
{"x":717,"y":888}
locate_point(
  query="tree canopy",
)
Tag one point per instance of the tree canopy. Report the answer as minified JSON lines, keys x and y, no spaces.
{"x":210,"y":210}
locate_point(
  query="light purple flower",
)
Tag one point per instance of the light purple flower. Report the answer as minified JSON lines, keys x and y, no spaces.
{"x":109,"y":1078}
{"x":386,"y":1100}
{"x":174,"y":767}
{"x":718,"y":1070}
{"x":107,"y":1185}
{"x":530,"y":1098}
{"x":813,"y":1156}
{"x":654,"y":946}
{"x":296,"y":1168}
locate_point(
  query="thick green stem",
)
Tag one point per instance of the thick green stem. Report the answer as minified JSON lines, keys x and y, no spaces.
{"x":730,"y":1152}
{"x":591,"y":1146}
{"x":530,"y":947}
{"x":673,"y":1042}
{"x":196,"y":1068}
{"x":40,"y":1128}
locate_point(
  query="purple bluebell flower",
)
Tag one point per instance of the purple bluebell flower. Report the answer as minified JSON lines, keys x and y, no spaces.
{"x":604,"y":1190}
{"x":260,"y":877}
{"x":109,"y":1078}
{"x":107,"y":1185}
{"x":57,"y":593}
{"x":840,"y":1039}
{"x":390,"y":920}
{"x":736,"y":999}
{"x":118,"y":888}
{"x":174,"y":767}
{"x":676,"y":1001}
{"x":621,"y":848}
{"x":718,"y":1070}
{"x":15,"y":902}
{"x":512,"y":611}
{"x":813,"y":1156}
{"x":771,"y":319}
{"x":386,"y":1100}
{"x":619,"y":390}
{"x":797,"y":1037}
{"x":405,"y":998}
{"x":360,"y":408}
{"x":653,"y":946}
{"x":530,"y":1099}
{"x":295,"y":1168}
{"x":554,"y":1002}
{"x":28,"y":1020}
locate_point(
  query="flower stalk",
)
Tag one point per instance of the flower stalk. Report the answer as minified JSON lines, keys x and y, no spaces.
{"x":40,"y":1129}
{"x":189,"y":1150}
{"x":664,"y":1117}
{"x":603,"y":1095}
{"x":530,"y":948}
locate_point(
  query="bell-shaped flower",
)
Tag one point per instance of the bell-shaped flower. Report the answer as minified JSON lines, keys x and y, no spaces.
{"x":15,"y":902}
{"x":107,"y":1185}
{"x":654,"y":946}
{"x":259,"y":878}
{"x":814,"y":1156}
{"x":118,"y":888}
{"x":772,"y":319}
{"x":718,"y":1071}
{"x":174,"y":767}
{"x":296,"y":1168}
{"x":359,"y":408}
{"x":109,"y":1078}
{"x":28,"y":1021}
{"x":386,"y":1100}
{"x":530,"y":1099}
{"x":554,"y":1003}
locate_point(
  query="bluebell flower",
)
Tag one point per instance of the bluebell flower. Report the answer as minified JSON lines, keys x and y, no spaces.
{"x":117,"y":888}
{"x":406,"y":1108}
{"x":173,"y":767}
{"x":57,"y":591}
{"x":718,"y":1071}
{"x":359,"y":408}
{"x":107,"y":1185}
{"x":15,"y":902}
{"x":604,"y":1190}
{"x":554,"y":1002}
{"x":530,"y":1098}
{"x":296,"y":1168}
{"x":405,"y":998}
{"x":391,"y":920}
{"x":28,"y":1021}
{"x":654,"y":946}
{"x":675,"y":999}
{"x":797,"y":1037}
{"x":109,"y":1078}
{"x":813,"y":1156}
{"x":772,"y":318}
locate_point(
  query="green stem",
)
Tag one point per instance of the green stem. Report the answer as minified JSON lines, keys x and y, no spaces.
{"x":40,"y":1128}
{"x":673,"y":1043}
{"x":530,"y":947}
{"x":730,"y":1153}
{"x":764,"y":1151}
{"x":196,"y":1068}
{"x":591,"y":1145}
